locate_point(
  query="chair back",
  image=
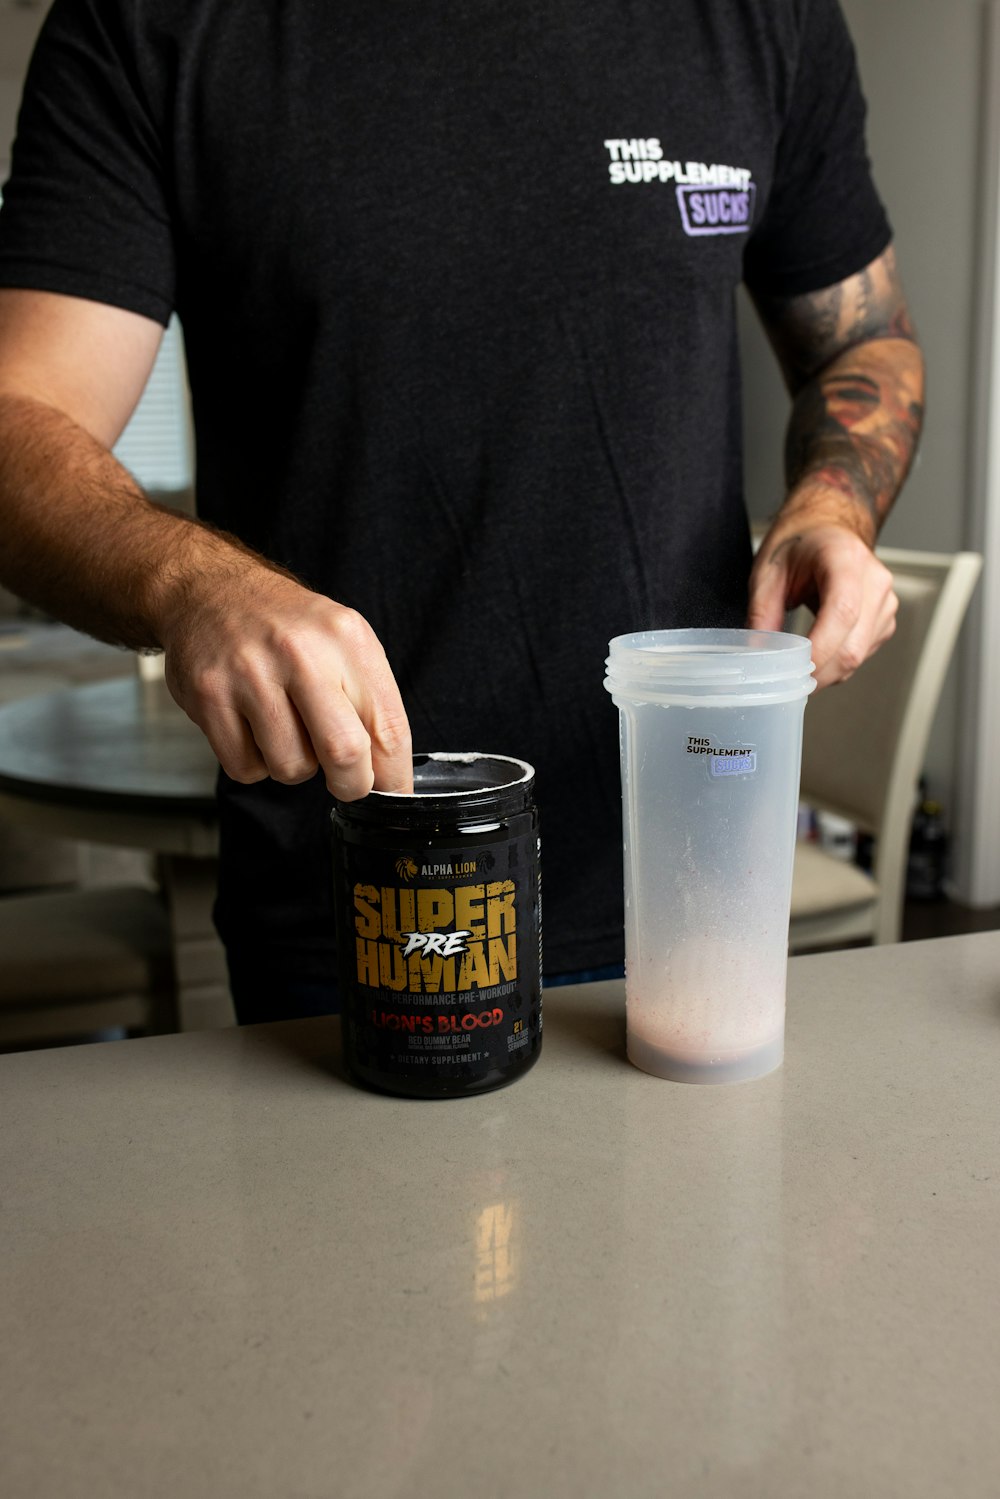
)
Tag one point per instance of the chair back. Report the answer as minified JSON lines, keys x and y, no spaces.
{"x":864,"y":740}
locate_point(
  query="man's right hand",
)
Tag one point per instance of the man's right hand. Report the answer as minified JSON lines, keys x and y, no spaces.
{"x":281,"y":680}
{"x":284,"y":681}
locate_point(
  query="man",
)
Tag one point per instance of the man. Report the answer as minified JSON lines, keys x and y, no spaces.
{"x":457,"y":291}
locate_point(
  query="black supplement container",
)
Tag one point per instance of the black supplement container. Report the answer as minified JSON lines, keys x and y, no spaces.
{"x":439,"y":928}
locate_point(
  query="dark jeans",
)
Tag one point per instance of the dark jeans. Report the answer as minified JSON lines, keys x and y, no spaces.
{"x":261,"y":995}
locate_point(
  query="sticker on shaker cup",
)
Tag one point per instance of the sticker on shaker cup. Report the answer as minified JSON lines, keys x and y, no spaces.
{"x":738,"y":762}
{"x":724,"y":760}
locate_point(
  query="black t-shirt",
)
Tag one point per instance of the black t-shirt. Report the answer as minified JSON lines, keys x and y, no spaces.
{"x":457,"y":287}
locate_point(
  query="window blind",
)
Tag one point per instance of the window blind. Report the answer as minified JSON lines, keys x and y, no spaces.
{"x":156,"y":445}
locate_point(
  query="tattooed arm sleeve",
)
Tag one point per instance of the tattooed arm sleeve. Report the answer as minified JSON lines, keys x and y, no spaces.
{"x":853,"y":367}
{"x":855,"y":372}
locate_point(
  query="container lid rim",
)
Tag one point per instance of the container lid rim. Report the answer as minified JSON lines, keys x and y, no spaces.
{"x":460,"y":757}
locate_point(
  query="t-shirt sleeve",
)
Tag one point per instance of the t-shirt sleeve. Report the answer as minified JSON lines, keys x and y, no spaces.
{"x":824,"y":220}
{"x":85,"y":209}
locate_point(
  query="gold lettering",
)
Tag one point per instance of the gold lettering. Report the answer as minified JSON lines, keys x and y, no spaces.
{"x":392,"y":969}
{"x":367,"y":922}
{"x":503,"y":959}
{"x":405,"y":903}
{"x":469,"y":913}
{"x":367,"y":962}
{"x":474,"y":972}
{"x":500,"y":913}
{"x":430,"y":975}
{"x":435,"y":910}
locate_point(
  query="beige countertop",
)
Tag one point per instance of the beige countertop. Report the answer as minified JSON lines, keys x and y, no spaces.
{"x":227,"y":1272}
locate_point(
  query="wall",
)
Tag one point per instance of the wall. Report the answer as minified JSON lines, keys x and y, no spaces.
{"x":18,"y":28}
{"x":920,"y":63}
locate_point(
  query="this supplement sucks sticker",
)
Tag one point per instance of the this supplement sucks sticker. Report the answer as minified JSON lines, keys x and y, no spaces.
{"x":724,"y":760}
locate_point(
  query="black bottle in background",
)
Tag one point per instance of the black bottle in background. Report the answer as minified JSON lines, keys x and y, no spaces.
{"x":925,"y":868}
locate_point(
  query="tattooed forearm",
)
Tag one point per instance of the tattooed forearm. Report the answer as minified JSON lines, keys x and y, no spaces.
{"x":856,"y":426}
{"x":808,"y":331}
{"x":852,"y":363}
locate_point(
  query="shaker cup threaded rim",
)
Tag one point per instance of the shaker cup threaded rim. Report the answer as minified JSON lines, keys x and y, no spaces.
{"x":727,"y":667}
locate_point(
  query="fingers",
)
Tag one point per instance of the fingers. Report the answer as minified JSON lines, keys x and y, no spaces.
{"x":857,"y":606}
{"x":768,"y":591}
{"x":840,"y":576}
{"x":352,"y":742}
{"x":236,"y":749}
{"x":372,"y":690}
{"x":357,"y":725}
{"x":298,"y":684}
{"x":253,"y":735}
{"x":392,"y":749}
{"x":855,"y":618}
{"x":274,"y":742}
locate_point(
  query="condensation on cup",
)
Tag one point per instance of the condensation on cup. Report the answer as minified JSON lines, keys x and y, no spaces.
{"x":711,"y":743}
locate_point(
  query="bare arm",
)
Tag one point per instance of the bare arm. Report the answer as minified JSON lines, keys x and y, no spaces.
{"x":280,"y":679}
{"x":853,"y":366}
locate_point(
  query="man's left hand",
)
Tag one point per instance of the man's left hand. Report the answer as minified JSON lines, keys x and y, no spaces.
{"x":829,"y":568}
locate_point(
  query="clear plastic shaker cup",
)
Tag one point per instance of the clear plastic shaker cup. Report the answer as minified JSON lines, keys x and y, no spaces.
{"x":711,"y":744}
